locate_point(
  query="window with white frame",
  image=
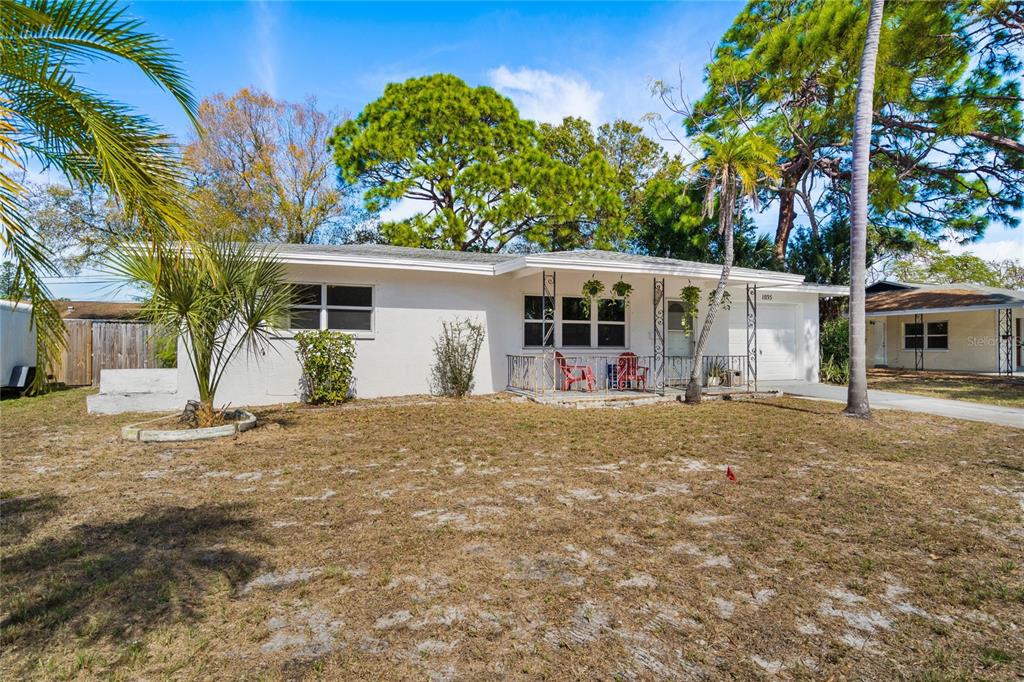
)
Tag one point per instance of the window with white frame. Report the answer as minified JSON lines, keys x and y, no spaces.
{"x":340,"y":307}
{"x":602,"y":326}
{"x":926,"y":336}
{"x":535,"y":315}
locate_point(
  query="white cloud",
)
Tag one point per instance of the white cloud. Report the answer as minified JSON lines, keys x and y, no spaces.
{"x":991,"y":249}
{"x":404,"y":208}
{"x":263,"y":50}
{"x":547,"y":97}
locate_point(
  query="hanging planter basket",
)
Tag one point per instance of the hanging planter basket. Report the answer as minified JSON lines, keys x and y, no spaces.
{"x":592,"y":288}
{"x":690,"y":296}
{"x":623,"y":290}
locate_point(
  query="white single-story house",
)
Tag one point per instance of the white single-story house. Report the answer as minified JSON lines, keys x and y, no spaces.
{"x":393,"y":301}
{"x":952,"y":327}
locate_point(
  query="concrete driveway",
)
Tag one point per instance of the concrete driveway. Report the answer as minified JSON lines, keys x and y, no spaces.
{"x":956,"y":409}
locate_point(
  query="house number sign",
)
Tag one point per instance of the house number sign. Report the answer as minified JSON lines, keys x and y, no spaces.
{"x":766,"y":297}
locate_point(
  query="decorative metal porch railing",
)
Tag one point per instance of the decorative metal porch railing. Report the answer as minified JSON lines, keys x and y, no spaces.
{"x":545,"y":373}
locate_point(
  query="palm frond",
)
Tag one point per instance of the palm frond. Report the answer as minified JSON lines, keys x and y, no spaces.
{"x":76,"y":31}
{"x":46,"y":115}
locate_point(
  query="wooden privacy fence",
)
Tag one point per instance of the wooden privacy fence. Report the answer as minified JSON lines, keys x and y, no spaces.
{"x":95,"y":345}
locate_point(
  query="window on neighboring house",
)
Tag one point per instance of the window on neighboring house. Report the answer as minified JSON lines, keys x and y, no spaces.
{"x":926,"y":336}
{"x":603,"y":326}
{"x":343,"y":307}
{"x":535,"y":313}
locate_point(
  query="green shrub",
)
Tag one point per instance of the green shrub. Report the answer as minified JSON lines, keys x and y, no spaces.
{"x":455,"y":355}
{"x":835,"y":340}
{"x":165,"y":348}
{"x":833,"y":372}
{"x":835,"y":351}
{"x":327,"y":358}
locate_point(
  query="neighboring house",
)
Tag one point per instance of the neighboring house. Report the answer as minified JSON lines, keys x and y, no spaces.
{"x":952,"y":327}
{"x":394,"y":299}
{"x":99,"y":310}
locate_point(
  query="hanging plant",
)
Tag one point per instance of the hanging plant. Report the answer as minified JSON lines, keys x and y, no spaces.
{"x":690,"y":296}
{"x":726,"y":303}
{"x":623,"y":290}
{"x":592,"y":288}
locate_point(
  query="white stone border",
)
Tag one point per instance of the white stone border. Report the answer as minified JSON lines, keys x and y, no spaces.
{"x":135,"y":432}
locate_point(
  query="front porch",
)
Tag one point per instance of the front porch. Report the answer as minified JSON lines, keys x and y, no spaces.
{"x":554,"y":377}
{"x":616,"y":349}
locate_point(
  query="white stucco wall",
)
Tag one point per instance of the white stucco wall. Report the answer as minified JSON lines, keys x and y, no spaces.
{"x":972,"y":341}
{"x":410,"y":306}
{"x":805,"y":313}
{"x":17,"y":340}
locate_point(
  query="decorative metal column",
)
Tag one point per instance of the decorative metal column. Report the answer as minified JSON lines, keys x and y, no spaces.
{"x":659,"y":335}
{"x":547,"y":327}
{"x":919,"y":351}
{"x":1004,"y":341}
{"x":752,"y":335}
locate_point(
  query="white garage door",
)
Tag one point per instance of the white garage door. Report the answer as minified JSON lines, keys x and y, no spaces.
{"x":776,"y":342}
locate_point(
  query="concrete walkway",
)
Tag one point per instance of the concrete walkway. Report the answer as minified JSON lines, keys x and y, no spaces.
{"x":956,"y":409}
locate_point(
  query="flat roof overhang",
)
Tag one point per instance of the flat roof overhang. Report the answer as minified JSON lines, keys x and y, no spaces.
{"x":532,"y":265}
{"x":352,"y":261}
{"x":950,"y":309}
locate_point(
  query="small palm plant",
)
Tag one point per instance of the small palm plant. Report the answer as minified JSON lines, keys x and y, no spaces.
{"x":232,"y":300}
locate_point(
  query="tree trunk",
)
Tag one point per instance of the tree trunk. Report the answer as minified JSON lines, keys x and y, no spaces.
{"x":206,"y":415}
{"x":792,"y":173}
{"x":725,"y":216}
{"x":857,"y":393}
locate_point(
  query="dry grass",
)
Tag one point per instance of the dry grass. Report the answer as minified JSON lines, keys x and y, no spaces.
{"x":979,"y":388}
{"x":490,"y":539}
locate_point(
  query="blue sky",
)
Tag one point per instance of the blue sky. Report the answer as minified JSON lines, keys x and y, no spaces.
{"x":594,"y":60}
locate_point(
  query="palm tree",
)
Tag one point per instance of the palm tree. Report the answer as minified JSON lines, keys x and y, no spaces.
{"x":230,"y":301}
{"x":732,"y":167}
{"x":47,"y":117}
{"x":857,"y":392}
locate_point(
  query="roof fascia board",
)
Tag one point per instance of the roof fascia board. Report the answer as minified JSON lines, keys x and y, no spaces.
{"x":820,"y":289}
{"x":704,"y":271}
{"x":952,"y":309}
{"x":386,"y":263}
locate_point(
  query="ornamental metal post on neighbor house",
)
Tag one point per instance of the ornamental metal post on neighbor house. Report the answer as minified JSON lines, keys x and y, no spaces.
{"x":1004,"y":341}
{"x":919,"y":348}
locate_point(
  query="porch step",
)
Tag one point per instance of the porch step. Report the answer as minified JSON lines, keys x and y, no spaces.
{"x":600,"y":403}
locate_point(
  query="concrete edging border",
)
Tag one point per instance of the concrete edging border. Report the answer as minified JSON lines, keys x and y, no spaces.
{"x":136,"y":432}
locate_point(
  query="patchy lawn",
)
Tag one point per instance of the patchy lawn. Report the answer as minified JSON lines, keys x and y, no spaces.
{"x":433,"y":539}
{"x":979,"y":388}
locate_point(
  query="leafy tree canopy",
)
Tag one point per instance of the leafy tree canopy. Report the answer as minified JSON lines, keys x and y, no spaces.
{"x":633,"y":156}
{"x":931,"y":264}
{"x":79,"y":224}
{"x":262,"y":170}
{"x":947,"y":155}
{"x":674,"y":225}
{"x":481,"y":169}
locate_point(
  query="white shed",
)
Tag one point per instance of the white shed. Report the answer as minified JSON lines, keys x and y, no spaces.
{"x":17,"y":339}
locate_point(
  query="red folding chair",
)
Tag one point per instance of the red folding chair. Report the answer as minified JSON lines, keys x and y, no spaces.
{"x":629,"y":370}
{"x":574,"y":374}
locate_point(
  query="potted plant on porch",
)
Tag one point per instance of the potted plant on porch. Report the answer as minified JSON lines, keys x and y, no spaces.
{"x":716,"y":372}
